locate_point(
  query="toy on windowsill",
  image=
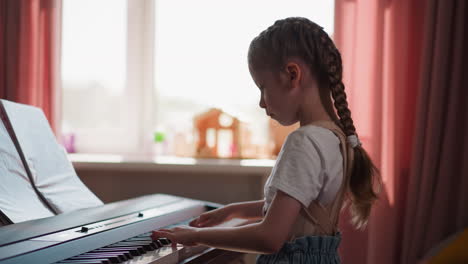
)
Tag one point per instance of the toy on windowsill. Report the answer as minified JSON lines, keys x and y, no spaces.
{"x":68,"y":142}
{"x":220,"y":135}
{"x":160,"y":143}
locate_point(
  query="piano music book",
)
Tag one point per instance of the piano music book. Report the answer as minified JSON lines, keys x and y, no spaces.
{"x":50,"y":167}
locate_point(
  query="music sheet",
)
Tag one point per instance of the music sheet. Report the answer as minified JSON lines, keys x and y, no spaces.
{"x":52,"y":172}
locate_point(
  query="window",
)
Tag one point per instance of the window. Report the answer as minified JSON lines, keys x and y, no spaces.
{"x":94,"y":74}
{"x":131,"y":68}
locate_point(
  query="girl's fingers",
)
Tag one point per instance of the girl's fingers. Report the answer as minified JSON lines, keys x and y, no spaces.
{"x":168,"y":236}
{"x":203,"y":220}
{"x":204,"y":224}
{"x":160,"y":233}
{"x":194,"y":222}
{"x":163,"y":230}
{"x":199,"y":222}
{"x":209,"y":222}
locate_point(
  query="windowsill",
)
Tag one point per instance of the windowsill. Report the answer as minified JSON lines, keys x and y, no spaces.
{"x":169,"y":163}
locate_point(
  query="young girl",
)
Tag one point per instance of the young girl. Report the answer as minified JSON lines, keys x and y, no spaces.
{"x":298,"y":70}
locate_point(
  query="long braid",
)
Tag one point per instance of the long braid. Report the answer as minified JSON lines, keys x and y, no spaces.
{"x":361,"y":182}
{"x":300,"y":37}
{"x":334,"y":69}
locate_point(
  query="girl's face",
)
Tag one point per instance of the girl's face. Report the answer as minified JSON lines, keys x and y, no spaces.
{"x":276,"y":97}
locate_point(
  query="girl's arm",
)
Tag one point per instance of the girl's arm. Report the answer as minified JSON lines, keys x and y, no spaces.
{"x":265,"y":237}
{"x":247,"y":210}
{"x":251,"y":211}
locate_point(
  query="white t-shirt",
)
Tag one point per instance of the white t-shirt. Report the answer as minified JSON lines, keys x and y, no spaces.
{"x":309,"y":166}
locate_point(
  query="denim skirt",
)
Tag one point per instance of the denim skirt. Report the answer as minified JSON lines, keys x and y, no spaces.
{"x":306,"y":249}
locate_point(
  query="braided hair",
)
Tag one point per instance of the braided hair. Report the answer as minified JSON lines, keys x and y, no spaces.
{"x":298,"y":37}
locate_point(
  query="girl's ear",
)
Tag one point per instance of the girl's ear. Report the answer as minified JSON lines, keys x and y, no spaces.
{"x":294,"y":74}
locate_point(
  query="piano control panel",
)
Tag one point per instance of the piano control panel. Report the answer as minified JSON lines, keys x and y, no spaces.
{"x":102,"y":226}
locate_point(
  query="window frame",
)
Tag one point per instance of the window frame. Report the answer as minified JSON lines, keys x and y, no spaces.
{"x":138,"y":90}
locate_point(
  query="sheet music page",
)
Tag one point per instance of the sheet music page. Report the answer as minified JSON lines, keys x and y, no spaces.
{"x":52,"y":172}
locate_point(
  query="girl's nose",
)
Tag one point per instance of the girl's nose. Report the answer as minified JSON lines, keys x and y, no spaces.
{"x":262,"y":102}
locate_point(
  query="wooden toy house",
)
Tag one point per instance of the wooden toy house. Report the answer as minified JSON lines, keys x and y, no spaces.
{"x":219,"y":135}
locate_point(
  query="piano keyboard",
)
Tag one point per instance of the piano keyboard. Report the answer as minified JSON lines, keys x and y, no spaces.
{"x":113,"y":233}
{"x":133,"y":250}
{"x":137,"y":250}
{"x":142,"y":249}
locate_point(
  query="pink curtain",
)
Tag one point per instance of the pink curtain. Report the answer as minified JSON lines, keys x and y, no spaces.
{"x":437,"y":206}
{"x":380,"y":42}
{"x":29,"y":53}
{"x":403,"y":71}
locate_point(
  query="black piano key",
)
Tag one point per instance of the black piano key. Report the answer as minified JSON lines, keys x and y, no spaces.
{"x":131,"y":251}
{"x":84,"y":262}
{"x":108,"y":259}
{"x":121,"y":256}
{"x":164,"y":241}
{"x":159,"y":243}
{"x":126,"y":253}
{"x":103,"y":254}
{"x":113,"y":246}
{"x":146,"y":247}
{"x":154,"y":244}
{"x":93,"y":261}
{"x":140,"y":249}
{"x":151,"y":246}
{"x":111,"y":259}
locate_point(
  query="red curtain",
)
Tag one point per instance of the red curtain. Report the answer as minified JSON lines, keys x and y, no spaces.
{"x":29,"y":53}
{"x":403,"y":72}
{"x":437,"y":205}
{"x":380,"y":42}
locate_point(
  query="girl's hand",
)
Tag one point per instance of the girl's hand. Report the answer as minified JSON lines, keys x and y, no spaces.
{"x":184,"y":235}
{"x":212,"y":218}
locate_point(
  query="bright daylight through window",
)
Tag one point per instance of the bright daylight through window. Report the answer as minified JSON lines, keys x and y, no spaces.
{"x":168,"y":77}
